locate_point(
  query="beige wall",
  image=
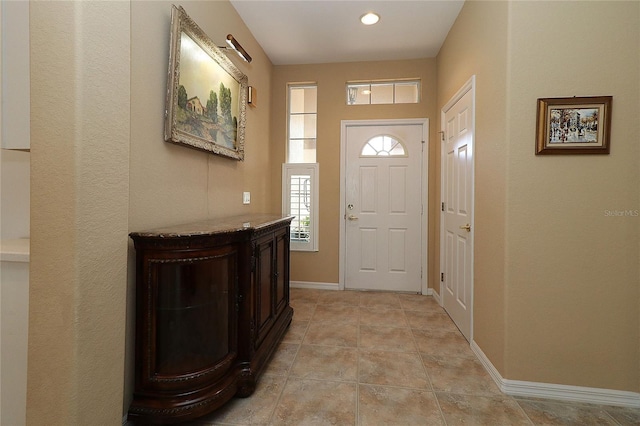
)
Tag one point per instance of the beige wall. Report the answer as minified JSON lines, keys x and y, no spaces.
{"x":101,"y":169}
{"x":175,"y":184}
{"x":556,"y":287}
{"x":172,"y":183}
{"x":322,"y":266}
{"x":477,"y":45}
{"x":79,"y":203}
{"x":556,"y":277}
{"x":573,"y":278}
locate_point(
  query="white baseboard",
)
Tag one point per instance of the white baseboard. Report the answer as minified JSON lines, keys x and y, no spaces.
{"x":432,"y":292}
{"x":319,"y":286}
{"x":559,"y":392}
{"x":336,"y":286}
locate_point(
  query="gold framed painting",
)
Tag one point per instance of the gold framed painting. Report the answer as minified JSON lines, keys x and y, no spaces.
{"x":577,"y":125}
{"x":206,"y":93}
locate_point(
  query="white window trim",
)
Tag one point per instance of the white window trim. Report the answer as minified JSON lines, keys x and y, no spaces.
{"x":405,"y":151}
{"x":307,"y":85}
{"x":313,"y":170}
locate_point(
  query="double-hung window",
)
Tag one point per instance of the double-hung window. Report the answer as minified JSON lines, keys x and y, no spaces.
{"x":300,"y":172}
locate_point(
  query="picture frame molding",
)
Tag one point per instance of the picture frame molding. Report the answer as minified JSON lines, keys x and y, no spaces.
{"x":182,"y":23}
{"x":543,"y":125}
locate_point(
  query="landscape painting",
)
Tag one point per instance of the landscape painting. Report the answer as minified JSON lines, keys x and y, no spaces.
{"x":206,"y":97}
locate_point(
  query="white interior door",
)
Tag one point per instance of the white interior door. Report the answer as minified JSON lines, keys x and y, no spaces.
{"x":383,"y":207}
{"x":457,"y":197}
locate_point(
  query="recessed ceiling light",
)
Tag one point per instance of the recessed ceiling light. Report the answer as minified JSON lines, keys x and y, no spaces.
{"x":369,"y":18}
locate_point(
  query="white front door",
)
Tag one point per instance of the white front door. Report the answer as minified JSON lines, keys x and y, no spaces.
{"x":383,"y":207}
{"x":457,"y":197}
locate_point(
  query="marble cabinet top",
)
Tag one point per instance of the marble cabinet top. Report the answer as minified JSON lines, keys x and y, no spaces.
{"x":214,"y":226}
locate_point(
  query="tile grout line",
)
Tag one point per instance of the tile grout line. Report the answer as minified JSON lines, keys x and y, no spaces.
{"x":409,"y":307}
{"x":424,"y":368}
{"x":357,"y":419}
{"x":288,"y":372}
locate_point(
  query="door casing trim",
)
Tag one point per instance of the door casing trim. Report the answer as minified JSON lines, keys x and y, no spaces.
{"x":424,"y":180}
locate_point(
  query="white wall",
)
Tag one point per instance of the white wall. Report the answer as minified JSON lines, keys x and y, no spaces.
{"x":14,"y":211}
{"x":14,"y":331}
{"x":14,"y":189}
{"x":14,"y":130}
{"x":14,"y":285}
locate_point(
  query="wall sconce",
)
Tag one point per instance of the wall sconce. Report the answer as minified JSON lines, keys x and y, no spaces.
{"x":251,"y":96}
{"x":234,"y":45}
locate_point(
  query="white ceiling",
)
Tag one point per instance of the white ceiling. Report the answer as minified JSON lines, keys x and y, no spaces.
{"x":313,"y":31}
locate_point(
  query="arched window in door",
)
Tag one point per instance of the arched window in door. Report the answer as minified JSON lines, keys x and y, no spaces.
{"x":383,"y":146}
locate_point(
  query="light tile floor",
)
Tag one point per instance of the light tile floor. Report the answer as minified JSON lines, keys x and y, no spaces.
{"x":370,"y":358}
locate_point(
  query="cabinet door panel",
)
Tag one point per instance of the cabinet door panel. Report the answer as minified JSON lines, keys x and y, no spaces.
{"x":265,"y":284}
{"x":282,"y":271}
{"x":192,"y":321}
{"x":192,"y":314}
{"x":264,"y":288}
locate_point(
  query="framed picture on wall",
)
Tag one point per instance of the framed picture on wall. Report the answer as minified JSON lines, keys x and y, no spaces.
{"x":206,"y":93}
{"x":574,"y":125}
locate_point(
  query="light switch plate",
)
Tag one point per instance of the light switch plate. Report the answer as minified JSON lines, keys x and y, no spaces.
{"x":246,"y":198}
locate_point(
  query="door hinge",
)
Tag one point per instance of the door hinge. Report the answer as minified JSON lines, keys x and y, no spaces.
{"x":441,"y":135}
{"x":441,"y":276}
{"x":443,"y":206}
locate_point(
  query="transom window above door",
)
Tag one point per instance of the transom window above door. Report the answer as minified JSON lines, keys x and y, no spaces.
{"x":383,"y":92}
{"x":383,"y":146}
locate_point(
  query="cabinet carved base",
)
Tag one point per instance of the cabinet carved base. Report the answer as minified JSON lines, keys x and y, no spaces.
{"x":168,"y":410}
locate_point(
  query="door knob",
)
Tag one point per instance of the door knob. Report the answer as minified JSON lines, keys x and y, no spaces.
{"x":352,"y":217}
{"x":467,"y":227}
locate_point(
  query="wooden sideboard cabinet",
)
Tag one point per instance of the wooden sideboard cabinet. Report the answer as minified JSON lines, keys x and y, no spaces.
{"x":212,"y":304}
